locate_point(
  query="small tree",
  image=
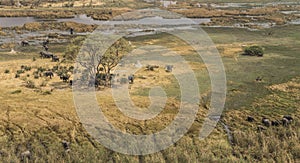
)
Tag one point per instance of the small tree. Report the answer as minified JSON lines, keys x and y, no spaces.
{"x":73,"y":49}
{"x":254,"y":51}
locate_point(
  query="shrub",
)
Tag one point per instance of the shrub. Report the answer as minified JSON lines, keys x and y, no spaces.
{"x":16,"y":91}
{"x":20,"y":71}
{"x":17,"y":75}
{"x":41,"y":69}
{"x":71,"y":68}
{"x":254,"y":51}
{"x":30,"y":84}
{"x":36,"y":76}
{"x":6,"y":71}
{"x":46,"y":93}
{"x":27,"y":68}
{"x":55,"y":68}
{"x":33,"y":59}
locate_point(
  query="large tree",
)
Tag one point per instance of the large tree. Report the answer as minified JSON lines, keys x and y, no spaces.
{"x":112,"y":57}
{"x":98,"y":60}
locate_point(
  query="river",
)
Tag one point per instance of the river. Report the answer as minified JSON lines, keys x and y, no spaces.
{"x":84,"y":19}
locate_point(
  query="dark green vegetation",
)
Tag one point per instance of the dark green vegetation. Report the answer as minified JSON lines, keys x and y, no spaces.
{"x":254,"y":51}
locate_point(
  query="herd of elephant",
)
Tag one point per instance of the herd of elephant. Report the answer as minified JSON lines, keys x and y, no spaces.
{"x":285,"y":121}
{"x":63,"y":77}
{"x":54,"y":58}
{"x":45,"y":53}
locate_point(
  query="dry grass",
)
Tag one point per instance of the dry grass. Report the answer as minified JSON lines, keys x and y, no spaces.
{"x":33,"y":120}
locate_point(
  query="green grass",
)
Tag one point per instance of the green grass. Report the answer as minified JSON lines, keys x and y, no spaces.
{"x":57,"y":119}
{"x":279,"y":65}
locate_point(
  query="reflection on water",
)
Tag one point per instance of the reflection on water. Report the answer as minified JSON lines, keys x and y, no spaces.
{"x":168,"y":3}
{"x":34,"y":37}
{"x":134,"y":25}
{"x":15,"y":21}
{"x":251,"y":5}
{"x":297,"y":21}
{"x":157,"y":20}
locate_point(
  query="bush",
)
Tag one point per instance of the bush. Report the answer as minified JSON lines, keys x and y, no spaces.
{"x":6,"y":71}
{"x":71,"y":68}
{"x":16,"y":91}
{"x":41,"y":69}
{"x":27,"y":68}
{"x":254,"y":51}
{"x":17,"y":75}
{"x":36,"y":76}
{"x":46,"y":93}
{"x":55,"y":68}
{"x":33,"y":59}
{"x":30,"y":84}
{"x":20,"y":71}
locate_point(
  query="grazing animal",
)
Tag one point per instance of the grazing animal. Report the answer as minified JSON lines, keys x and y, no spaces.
{"x":266,"y":122}
{"x":275,"y":123}
{"x":169,"y":68}
{"x":258,"y":79}
{"x":250,"y":119}
{"x":64,"y":77}
{"x":71,"y":31}
{"x":66,"y":145}
{"x":288,"y":117}
{"x":25,"y":154}
{"x":286,"y":120}
{"x":130,"y":79}
{"x":46,"y":42}
{"x":49,"y":74}
{"x":55,"y":58}
{"x":44,"y":54}
{"x":71,"y":82}
{"x":24,"y":43}
{"x":46,"y":47}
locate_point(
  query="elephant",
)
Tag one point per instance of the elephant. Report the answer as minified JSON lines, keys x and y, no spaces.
{"x":250,"y":119}
{"x":55,"y":58}
{"x":266,"y":122}
{"x":24,"y":43}
{"x":275,"y":123}
{"x":49,"y":74}
{"x":44,"y":54}
{"x":64,"y":77}
{"x":130,"y":79}
{"x":169,"y":68}
{"x":286,"y":120}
